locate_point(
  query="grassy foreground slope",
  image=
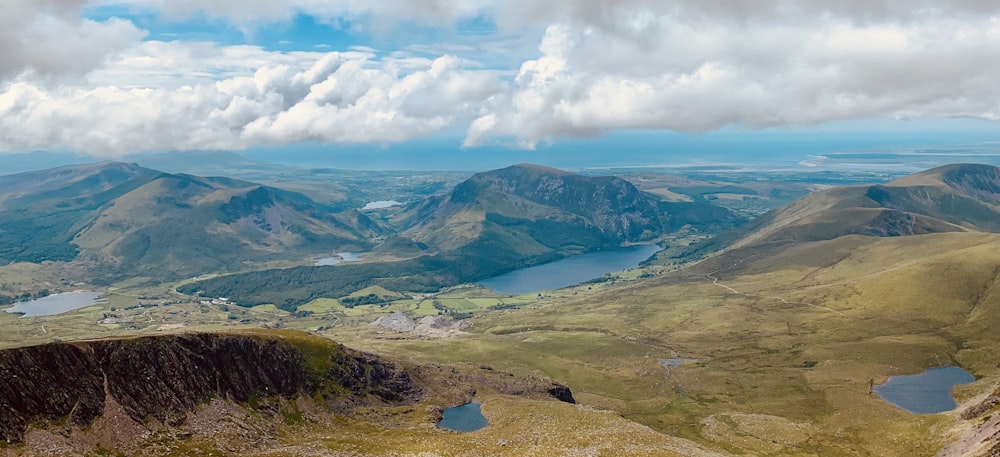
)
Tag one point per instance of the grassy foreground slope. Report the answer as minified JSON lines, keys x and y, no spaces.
{"x":781,"y":349}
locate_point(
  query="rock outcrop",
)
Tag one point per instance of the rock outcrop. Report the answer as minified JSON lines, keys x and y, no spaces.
{"x":233,"y":391}
{"x":163,"y":378}
{"x":429,"y":327}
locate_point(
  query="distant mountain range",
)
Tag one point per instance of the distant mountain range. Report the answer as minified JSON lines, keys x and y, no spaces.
{"x":132,"y":220}
{"x":492,"y":223}
{"x":129,"y":220}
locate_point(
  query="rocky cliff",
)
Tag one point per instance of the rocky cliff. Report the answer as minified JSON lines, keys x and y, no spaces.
{"x":231,"y":392}
{"x":163,"y":378}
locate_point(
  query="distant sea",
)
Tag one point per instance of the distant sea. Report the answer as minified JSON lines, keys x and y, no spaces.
{"x":900,"y":148}
{"x":896,"y":147}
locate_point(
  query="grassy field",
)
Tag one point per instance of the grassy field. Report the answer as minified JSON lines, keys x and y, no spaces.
{"x":796,"y":347}
{"x":783,"y":346}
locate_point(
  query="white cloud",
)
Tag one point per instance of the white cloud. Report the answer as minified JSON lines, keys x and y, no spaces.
{"x":651,"y":70}
{"x":47,"y":39}
{"x":327,"y":97}
{"x":694,"y":65}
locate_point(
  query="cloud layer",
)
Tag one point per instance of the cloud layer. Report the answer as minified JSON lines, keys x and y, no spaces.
{"x":333,"y":97}
{"x":669,"y":72}
{"x":95,"y":86}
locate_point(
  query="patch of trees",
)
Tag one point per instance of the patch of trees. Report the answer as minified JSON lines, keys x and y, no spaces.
{"x":27,"y":296}
{"x":556,"y":234}
{"x":27,"y":237}
{"x":370,"y":299}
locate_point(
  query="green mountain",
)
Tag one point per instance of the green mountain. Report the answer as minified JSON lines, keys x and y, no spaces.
{"x":41,"y":211}
{"x":490,"y":224}
{"x":953,"y":198}
{"x":531,"y":210}
{"x":129,"y":219}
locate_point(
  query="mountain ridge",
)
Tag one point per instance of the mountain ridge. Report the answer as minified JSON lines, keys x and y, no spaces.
{"x":126,"y":218}
{"x":605,"y":209}
{"x":953,"y":198}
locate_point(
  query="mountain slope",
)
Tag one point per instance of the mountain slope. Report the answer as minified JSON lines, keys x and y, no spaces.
{"x":40,"y":211}
{"x":534,"y":210}
{"x":490,"y":224}
{"x":954,"y":198}
{"x":130,"y":219}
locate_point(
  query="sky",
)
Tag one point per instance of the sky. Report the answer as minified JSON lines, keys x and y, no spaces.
{"x":110,"y":78}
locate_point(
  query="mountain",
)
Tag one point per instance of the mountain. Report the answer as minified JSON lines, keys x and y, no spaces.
{"x":489,"y":224}
{"x":66,"y":187}
{"x":533,"y":210}
{"x":953,"y":198}
{"x":134,"y":220}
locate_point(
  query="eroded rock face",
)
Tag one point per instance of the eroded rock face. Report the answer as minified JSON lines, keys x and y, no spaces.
{"x":48,"y":383}
{"x":145,"y":395}
{"x":163,"y":378}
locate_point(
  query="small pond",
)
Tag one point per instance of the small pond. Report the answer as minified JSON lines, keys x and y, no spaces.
{"x":569,"y":271}
{"x":925,"y":393}
{"x":339,"y":258}
{"x":674,"y":363}
{"x":463,"y":418}
{"x":56,"y":303}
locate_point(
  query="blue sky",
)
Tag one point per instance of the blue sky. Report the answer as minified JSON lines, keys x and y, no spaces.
{"x":637,"y":81}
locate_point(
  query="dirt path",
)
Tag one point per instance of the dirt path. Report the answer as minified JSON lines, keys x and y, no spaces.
{"x":715,"y":282}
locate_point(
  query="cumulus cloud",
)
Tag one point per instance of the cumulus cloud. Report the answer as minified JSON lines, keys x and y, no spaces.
{"x":332,"y":97}
{"x":48,"y":39}
{"x":67,"y":82}
{"x":678,"y":71}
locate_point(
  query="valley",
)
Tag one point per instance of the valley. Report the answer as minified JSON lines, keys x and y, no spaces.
{"x":760,"y":328}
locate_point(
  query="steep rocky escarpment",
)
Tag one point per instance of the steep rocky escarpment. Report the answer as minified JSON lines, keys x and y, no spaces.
{"x":46,"y":384}
{"x":163,"y":378}
{"x":127,"y":394}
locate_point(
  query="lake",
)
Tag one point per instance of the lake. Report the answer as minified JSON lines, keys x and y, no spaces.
{"x":569,"y":271}
{"x":925,"y":393}
{"x":381,"y":204}
{"x":463,"y":418}
{"x":340,"y":258}
{"x":56,"y":303}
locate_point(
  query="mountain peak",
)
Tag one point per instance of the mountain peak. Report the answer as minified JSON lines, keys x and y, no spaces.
{"x":537,"y":168}
{"x":978,"y":181}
